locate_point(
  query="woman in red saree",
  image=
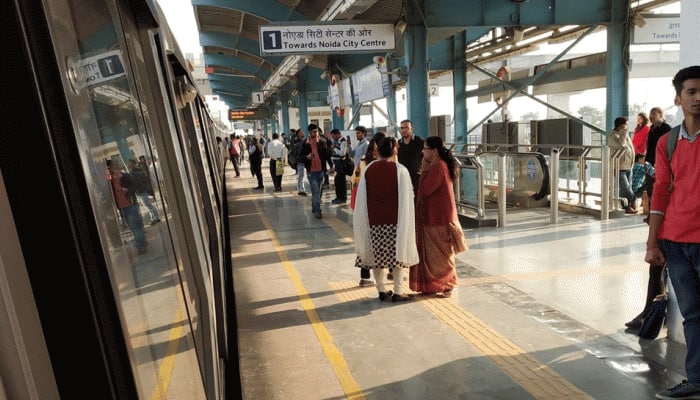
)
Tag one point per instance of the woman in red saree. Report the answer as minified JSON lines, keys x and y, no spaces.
{"x":439,"y":234}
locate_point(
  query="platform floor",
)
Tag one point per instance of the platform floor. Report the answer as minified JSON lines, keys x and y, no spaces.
{"x":539,"y":312}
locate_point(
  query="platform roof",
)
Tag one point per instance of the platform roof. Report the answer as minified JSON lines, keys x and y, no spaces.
{"x":493,"y":30}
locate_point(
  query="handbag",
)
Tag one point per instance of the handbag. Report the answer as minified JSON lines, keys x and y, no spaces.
{"x":653,"y":320}
{"x":279,"y":167}
{"x":348,"y":166}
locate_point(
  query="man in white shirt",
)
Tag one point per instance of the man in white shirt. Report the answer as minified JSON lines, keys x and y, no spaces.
{"x":277,"y":151}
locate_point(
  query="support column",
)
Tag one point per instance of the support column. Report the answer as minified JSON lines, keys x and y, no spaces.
{"x":617,"y":62}
{"x":416,"y":63}
{"x":459,"y":83}
{"x":285,"y":115}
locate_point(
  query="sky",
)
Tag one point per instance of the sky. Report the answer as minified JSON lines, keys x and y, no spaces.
{"x":180,"y":16}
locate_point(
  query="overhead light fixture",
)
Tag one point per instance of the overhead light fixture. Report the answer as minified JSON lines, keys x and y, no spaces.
{"x":638,"y":20}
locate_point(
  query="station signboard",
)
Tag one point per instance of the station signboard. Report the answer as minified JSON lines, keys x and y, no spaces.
{"x":326,"y":38}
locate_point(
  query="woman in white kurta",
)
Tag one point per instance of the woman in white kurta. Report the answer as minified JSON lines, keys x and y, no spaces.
{"x":383,"y":220}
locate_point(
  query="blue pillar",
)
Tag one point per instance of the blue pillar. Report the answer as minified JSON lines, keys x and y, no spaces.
{"x":616,"y":65}
{"x":459,"y":83}
{"x":391,"y":108}
{"x":337,"y":120}
{"x":285,"y":115}
{"x":303,"y":110}
{"x":416,"y":63}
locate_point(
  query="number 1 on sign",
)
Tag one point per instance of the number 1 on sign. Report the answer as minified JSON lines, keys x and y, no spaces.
{"x":258,"y":98}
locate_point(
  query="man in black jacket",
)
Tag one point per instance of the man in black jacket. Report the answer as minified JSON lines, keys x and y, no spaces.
{"x":411,"y":152}
{"x":315,"y":154}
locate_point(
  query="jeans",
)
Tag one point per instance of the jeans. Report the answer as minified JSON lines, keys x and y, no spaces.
{"x":152,"y":210}
{"x":132,"y":217}
{"x":683,"y":263}
{"x":626,"y":187}
{"x":301,"y":168}
{"x":315,"y":181}
{"x":276,"y":179}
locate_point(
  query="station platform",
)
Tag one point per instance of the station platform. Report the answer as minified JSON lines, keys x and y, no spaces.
{"x":539,"y":312}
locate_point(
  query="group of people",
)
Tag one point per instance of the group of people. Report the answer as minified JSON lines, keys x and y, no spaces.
{"x":399,"y":225}
{"x":637,"y":157}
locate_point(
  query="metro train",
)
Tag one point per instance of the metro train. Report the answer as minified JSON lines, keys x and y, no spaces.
{"x":114,"y":239}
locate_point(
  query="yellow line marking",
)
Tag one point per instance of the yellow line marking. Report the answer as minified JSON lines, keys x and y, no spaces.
{"x":340,"y":367}
{"x":166,"y":366}
{"x":535,"y":377}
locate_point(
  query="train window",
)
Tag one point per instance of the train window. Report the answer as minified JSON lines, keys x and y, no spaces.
{"x":109,"y":104}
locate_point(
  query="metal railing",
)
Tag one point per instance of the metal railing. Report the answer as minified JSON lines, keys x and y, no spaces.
{"x":582,"y":176}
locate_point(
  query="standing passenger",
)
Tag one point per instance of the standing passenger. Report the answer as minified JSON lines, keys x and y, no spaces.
{"x":124,"y":192}
{"x":674,"y":224}
{"x":619,"y":139}
{"x":438,"y":231}
{"x":370,"y":155}
{"x":410,"y":152}
{"x":641,"y":132}
{"x":340,"y":151}
{"x":383,"y":221}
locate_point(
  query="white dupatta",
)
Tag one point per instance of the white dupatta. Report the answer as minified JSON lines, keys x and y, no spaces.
{"x":406,"y":250}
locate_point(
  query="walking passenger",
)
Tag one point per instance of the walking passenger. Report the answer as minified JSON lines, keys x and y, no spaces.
{"x":315,"y":154}
{"x":234,"y":153}
{"x":297,"y":142}
{"x":438,"y":231}
{"x":277,"y":152}
{"x":674,"y":224}
{"x":383,"y":221}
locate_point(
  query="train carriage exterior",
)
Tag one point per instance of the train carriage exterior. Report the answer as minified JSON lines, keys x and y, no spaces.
{"x":98,"y":300}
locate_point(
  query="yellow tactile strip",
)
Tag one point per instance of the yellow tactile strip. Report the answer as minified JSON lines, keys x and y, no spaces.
{"x":533,"y":376}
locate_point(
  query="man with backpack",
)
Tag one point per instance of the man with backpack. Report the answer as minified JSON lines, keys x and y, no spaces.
{"x":674,"y":222}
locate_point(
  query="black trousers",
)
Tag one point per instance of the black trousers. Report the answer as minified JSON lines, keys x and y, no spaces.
{"x":256,"y":169}
{"x":340,"y":181}
{"x":276,"y":179}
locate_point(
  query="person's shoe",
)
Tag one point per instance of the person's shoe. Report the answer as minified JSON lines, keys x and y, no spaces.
{"x":259,"y":187}
{"x":155,"y":221}
{"x":278,"y":190}
{"x":390,"y":276}
{"x":338,"y":201}
{"x":366,"y":282}
{"x":400,"y":297}
{"x":630,"y":211}
{"x":684,"y":390}
{"x":385,"y":295}
{"x":636,"y":323}
{"x":318,"y":215}
{"x":302,"y":193}
{"x":447,"y":293}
